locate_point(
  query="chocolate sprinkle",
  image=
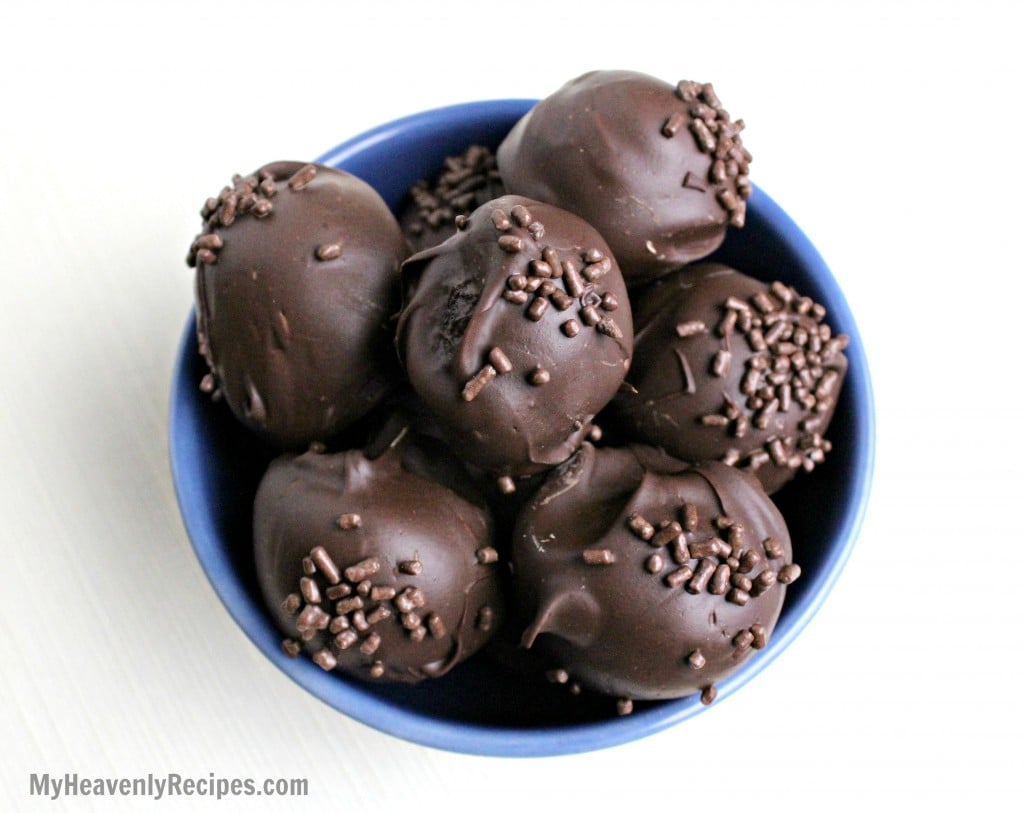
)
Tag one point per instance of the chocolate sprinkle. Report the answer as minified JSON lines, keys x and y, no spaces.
{"x":349,"y":521}
{"x":701,"y":577}
{"x":654,"y":563}
{"x":678,"y":577}
{"x":500,"y":220}
{"x":411,"y":567}
{"x":557,"y":676}
{"x":337,"y":591}
{"x":362,"y":570}
{"x":370,"y":644}
{"x":743,"y":639}
{"x":328,"y":251}
{"x":772,"y":548}
{"x":309,"y":590}
{"x":468,"y":179}
{"x":301,"y":179}
{"x":382,"y":592}
{"x":539,"y":376}
{"x":763,"y":582}
{"x":691,"y":328}
{"x":322,"y":559}
{"x":598,"y":556}
{"x":511,"y":244}
{"x":640,"y":526}
{"x":499,"y":361}
{"x":485,"y":619}
{"x":487,"y":556}
{"x":537,"y":309}
{"x":436,"y":626}
{"x":521,"y":215}
{"x":667,"y":532}
{"x":325,"y":660}
{"x":737,"y":596}
{"x":609,"y":327}
{"x":476,"y":384}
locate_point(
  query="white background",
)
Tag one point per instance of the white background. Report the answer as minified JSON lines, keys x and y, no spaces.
{"x":890,"y":131}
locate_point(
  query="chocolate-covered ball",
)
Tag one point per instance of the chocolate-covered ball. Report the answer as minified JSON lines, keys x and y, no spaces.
{"x":649,"y":584}
{"x":515,"y":332}
{"x":296,"y":280}
{"x":659,"y":170}
{"x":373,"y":567}
{"x":730,"y":368}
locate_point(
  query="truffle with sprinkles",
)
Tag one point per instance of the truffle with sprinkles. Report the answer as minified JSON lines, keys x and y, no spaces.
{"x":659,"y":170}
{"x":645,"y":579}
{"x":733,"y":369}
{"x":376,"y":567}
{"x":515,"y":332}
{"x":296,"y":281}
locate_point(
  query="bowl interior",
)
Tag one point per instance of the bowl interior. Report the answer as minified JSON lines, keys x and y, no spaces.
{"x":481,"y":707}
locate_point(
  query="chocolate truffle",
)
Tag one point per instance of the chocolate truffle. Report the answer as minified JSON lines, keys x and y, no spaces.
{"x":646,"y":584}
{"x":659,"y":171}
{"x":467,"y":181}
{"x":730,"y":368}
{"x":515,"y":333}
{"x":372,"y":566}
{"x":296,"y":280}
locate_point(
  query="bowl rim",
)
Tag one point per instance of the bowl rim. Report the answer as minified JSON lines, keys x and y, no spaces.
{"x":361,"y":704}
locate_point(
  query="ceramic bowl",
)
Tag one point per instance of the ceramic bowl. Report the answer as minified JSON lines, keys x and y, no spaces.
{"x":481,"y":707}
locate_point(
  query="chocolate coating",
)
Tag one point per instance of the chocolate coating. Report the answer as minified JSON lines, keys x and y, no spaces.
{"x":631,"y":606}
{"x":296,"y":279}
{"x":513,"y":353}
{"x":659,"y":171}
{"x":730,"y":368}
{"x":410,"y":595}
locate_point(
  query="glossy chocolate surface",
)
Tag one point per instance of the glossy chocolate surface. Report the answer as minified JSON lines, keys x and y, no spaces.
{"x":659,"y":170}
{"x":296,"y":281}
{"x":373,"y":566}
{"x":730,"y":368}
{"x":649,"y":584}
{"x":515,"y":332}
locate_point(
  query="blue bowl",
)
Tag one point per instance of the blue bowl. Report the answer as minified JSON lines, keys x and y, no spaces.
{"x":480,"y":707}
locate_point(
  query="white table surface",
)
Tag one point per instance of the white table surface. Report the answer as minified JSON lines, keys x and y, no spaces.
{"x":890,"y":131}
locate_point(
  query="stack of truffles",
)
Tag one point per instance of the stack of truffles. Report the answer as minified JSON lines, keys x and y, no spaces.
{"x":525,"y":402}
